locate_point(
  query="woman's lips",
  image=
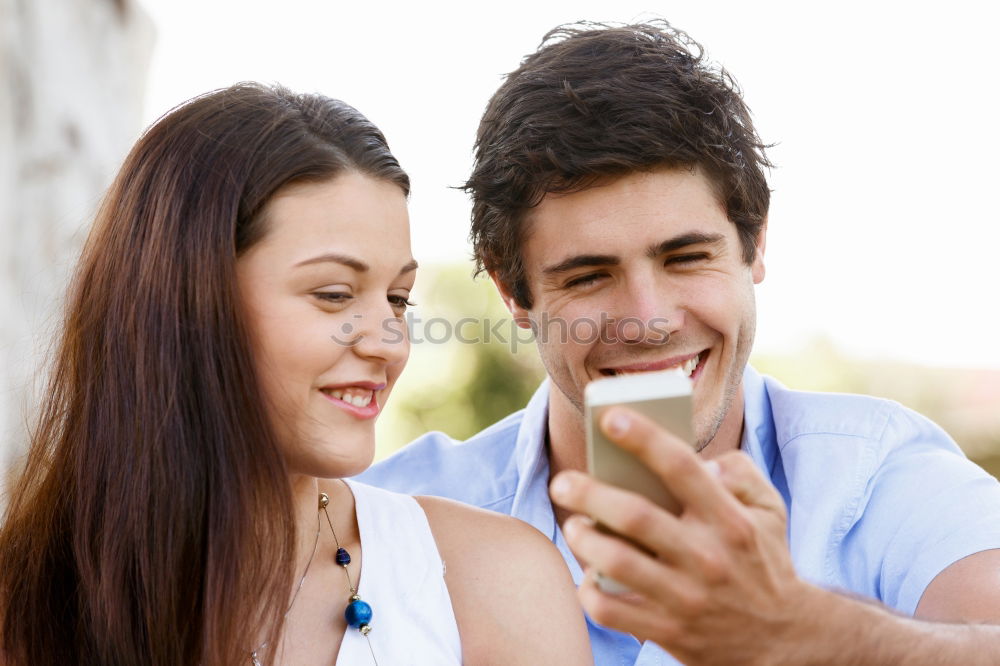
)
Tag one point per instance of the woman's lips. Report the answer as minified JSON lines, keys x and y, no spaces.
{"x":355,"y":400}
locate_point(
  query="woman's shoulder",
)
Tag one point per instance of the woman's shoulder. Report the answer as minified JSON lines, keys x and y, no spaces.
{"x":478,"y":536}
{"x":506,"y":579}
{"x":454,"y":522}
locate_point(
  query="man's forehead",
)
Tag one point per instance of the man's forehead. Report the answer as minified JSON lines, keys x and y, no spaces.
{"x":662,"y":188}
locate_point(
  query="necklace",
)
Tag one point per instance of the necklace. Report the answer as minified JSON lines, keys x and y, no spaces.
{"x":358,"y":613}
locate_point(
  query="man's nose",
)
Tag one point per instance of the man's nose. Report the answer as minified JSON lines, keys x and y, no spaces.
{"x":646,"y":312}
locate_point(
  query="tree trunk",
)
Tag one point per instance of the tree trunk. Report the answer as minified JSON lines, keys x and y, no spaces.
{"x":72,"y":80}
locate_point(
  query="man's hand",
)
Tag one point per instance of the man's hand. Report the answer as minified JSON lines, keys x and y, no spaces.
{"x":716,"y":583}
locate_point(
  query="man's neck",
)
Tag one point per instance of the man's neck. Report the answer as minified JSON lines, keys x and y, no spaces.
{"x":566,"y":439}
{"x":730,"y":431}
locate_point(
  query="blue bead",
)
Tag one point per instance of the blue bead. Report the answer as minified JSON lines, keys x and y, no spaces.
{"x":343,"y":557}
{"x":358,"y":613}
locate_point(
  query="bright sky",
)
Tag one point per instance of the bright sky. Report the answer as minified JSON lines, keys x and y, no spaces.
{"x":883,"y":233}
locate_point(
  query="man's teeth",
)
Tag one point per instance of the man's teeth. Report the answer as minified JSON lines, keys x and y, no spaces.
{"x":687,"y":367}
{"x":352,"y":396}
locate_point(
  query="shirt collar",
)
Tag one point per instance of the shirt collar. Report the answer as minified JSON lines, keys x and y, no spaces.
{"x":759,"y":439}
{"x":531,"y":497}
{"x":758,"y":431}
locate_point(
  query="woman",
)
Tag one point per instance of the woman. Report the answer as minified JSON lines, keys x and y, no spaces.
{"x":233,"y":329}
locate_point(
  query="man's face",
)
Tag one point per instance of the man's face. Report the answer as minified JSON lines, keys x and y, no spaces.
{"x":641,"y":273}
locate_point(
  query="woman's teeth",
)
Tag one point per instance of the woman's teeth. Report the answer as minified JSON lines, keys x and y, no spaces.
{"x":356,"y":397}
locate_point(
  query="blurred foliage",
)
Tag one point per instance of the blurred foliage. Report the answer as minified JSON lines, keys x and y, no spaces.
{"x":460,"y":381}
{"x":460,"y":386}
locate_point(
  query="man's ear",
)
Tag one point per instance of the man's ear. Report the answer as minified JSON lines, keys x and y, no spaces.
{"x":518,"y":313}
{"x":757,"y":268}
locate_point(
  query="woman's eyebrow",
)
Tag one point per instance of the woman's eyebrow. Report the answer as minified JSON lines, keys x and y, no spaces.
{"x":344,"y":259}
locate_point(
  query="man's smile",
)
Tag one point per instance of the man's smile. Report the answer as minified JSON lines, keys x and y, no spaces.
{"x":689,"y":363}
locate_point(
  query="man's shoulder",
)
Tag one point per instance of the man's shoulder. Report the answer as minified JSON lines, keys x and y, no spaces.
{"x":851,"y":446}
{"x":874,"y":488}
{"x":847,"y":417}
{"x":480,"y":470}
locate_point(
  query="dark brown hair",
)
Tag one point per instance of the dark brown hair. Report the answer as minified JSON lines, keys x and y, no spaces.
{"x":598,"y":101}
{"x":153,"y":522}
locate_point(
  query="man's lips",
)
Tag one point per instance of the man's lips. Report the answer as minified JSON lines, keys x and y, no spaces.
{"x":689,"y":363}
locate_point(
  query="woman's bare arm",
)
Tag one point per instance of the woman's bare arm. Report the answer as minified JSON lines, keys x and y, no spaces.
{"x":513,"y":596}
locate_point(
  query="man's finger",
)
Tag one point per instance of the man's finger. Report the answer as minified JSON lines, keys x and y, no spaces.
{"x":614,"y":557}
{"x":627,"y":513}
{"x":640,"y":616}
{"x":681,"y":469}
{"x":744,"y":480}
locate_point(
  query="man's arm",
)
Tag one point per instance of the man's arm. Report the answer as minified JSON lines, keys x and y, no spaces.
{"x":967,"y":591}
{"x":956,"y":623}
{"x":716,"y":584}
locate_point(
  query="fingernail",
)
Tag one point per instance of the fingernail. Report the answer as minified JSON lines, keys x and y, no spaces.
{"x":559,"y":487}
{"x":617,"y":423}
{"x":713,"y":468}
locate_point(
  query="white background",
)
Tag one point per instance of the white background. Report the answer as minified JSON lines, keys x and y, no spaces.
{"x":884,"y":226}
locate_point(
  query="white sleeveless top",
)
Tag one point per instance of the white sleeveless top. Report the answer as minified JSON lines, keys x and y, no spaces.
{"x":402,"y":579}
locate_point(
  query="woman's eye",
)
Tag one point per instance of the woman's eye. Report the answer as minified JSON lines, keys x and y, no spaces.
{"x":400,"y":302}
{"x":336,"y":297}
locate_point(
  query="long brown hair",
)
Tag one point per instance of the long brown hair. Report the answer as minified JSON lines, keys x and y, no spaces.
{"x":153,"y":521}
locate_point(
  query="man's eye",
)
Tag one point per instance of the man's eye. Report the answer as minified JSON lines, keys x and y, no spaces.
{"x":686,"y":258}
{"x":584,"y":280}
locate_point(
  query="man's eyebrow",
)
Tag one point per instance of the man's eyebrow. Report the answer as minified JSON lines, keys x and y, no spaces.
{"x":682,"y":241}
{"x":344,"y":259}
{"x":582,"y":260}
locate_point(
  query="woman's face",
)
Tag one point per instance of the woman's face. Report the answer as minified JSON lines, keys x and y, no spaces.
{"x":325,"y":291}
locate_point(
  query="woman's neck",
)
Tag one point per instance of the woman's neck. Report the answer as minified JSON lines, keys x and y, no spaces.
{"x":305,"y":497}
{"x":305,"y":494}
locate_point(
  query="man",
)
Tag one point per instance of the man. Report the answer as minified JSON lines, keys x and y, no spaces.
{"x":618,"y":188}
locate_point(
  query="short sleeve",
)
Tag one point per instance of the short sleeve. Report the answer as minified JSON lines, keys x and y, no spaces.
{"x":928,"y":507}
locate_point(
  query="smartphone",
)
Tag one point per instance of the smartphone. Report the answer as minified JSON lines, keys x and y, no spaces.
{"x":663,"y":396}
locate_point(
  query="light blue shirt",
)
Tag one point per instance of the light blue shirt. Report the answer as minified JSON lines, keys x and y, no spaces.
{"x":880,"y":500}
